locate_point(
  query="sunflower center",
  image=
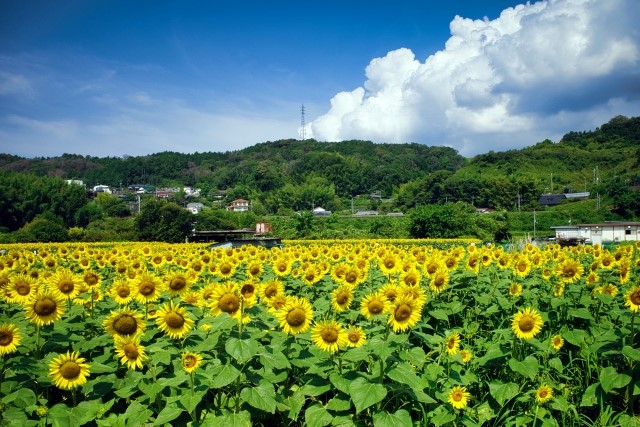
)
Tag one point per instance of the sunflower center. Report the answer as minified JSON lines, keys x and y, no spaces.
{"x":247,"y":290}
{"x":522,"y":267}
{"x":131,"y":351}
{"x":543,"y":393}
{"x":569,"y":271}
{"x":229,"y":303}
{"x":177,"y":283}
{"x":526,"y":323}
{"x":389,"y":263}
{"x":353,"y":337}
{"x":403,"y":312}
{"x":66,"y":286}
{"x":91,"y":279}
{"x":123,"y":291}
{"x":351,"y":277}
{"x":225,"y":269}
{"x":376,"y":307}
{"x":23,"y":289}
{"x":329,"y":335}
{"x":342,"y":297}
{"x":45,"y":307}
{"x":6,"y":338}
{"x":456,"y":396}
{"x":254,"y":270}
{"x":270,"y":291}
{"x":125,"y":325}
{"x":296,"y":317}
{"x":69,"y":370}
{"x":174,"y":320}
{"x":635,"y":297}
{"x":439,"y":281}
{"x":189,"y":361}
{"x":282,"y":267}
{"x":146,"y":288}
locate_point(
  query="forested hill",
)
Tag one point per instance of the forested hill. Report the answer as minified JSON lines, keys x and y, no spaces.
{"x":413,"y":173}
{"x":353,"y":167}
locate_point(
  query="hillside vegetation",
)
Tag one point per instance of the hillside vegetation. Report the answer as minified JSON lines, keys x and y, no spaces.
{"x":282,"y":177}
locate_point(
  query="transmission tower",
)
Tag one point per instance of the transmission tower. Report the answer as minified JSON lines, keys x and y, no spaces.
{"x":302,"y":124}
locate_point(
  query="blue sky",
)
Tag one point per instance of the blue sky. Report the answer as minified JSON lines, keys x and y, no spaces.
{"x":109,"y":78}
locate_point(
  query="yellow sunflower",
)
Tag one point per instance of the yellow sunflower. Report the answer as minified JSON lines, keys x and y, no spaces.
{"x":64,"y":283}
{"x":44,"y":308}
{"x":569,"y":270}
{"x":439,"y":280}
{"x":515,"y":289}
{"x":121,"y":292}
{"x":374,"y":304}
{"x":411,"y":277}
{"x":329,"y":336}
{"x":466,"y":355}
{"x":281,"y":266}
{"x":459,"y":397}
{"x":21,"y":287}
{"x":341,"y":298}
{"x":521,"y":266}
{"x":557,"y":342}
{"x":255,"y":269}
{"x":124,"y":323}
{"x":9,"y":338}
{"x":296,"y":315}
{"x":130,"y":351}
{"x":249,"y":292}
{"x":147,"y":288}
{"x":68,"y":371}
{"x":178,"y":284}
{"x":527,"y":323}
{"x":544,"y":394}
{"x":174,"y":320}
{"x":389,"y":264}
{"x":632,"y":298}
{"x":191,"y":361}
{"x":91,"y":278}
{"x":404,"y":313}
{"x":226,"y":268}
{"x":452,"y":343}
{"x":356,"y":336}
{"x":226,"y":299}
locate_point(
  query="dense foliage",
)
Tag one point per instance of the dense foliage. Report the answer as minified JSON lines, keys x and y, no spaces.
{"x":284,"y":177}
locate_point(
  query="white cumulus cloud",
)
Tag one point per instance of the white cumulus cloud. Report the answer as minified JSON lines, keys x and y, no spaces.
{"x":537,"y":71}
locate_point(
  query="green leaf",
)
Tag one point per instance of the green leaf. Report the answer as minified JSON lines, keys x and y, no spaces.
{"x":222,"y":375}
{"x":317,"y":416}
{"x":400,"y":418}
{"x":576,"y":337}
{"x":241,"y":419}
{"x":295,"y":403}
{"x":442,"y":415}
{"x":502,"y":392}
{"x":439,"y":314}
{"x":274,"y":360}
{"x":169,"y":413}
{"x":381,"y":348}
{"x":241,"y":350}
{"x":556,"y":364}
{"x":364,"y":393}
{"x":610,"y":379}
{"x":190,"y":401}
{"x":21,"y":398}
{"x":262,"y":397}
{"x":580,"y":313}
{"x":527,"y":368}
{"x":415,"y":356}
{"x":485,"y":413}
{"x":137,"y":414}
{"x":339,"y":403}
{"x":559,"y":403}
{"x":315,"y":388}
{"x":631,"y":353}
{"x":492,"y":353}
{"x":591,"y":395}
{"x":403,"y":373}
{"x":433,"y":371}
{"x":61,"y":416}
{"x":355,"y":354}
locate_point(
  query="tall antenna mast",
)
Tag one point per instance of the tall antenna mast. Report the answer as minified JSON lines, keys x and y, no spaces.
{"x":302,"y":124}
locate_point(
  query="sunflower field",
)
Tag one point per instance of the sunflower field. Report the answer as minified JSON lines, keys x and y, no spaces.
{"x":319,"y":333}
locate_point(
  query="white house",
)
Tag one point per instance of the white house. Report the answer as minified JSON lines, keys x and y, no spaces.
{"x":605,"y":232}
{"x":239,"y":205}
{"x":195,"y":207}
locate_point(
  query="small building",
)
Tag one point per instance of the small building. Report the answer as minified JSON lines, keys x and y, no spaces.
{"x":238,"y":205}
{"x":366,"y":213}
{"x":75,"y":182}
{"x":551,"y":199}
{"x":102,"y":189}
{"x":600,"y":233}
{"x":195,"y":207}
{"x":321,"y":211}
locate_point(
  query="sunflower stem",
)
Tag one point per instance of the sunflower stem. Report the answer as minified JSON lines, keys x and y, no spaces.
{"x":535,"y":416}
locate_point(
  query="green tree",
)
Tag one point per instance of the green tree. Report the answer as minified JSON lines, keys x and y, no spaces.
{"x":164,"y":222}
{"x":442,"y":221}
{"x":43,"y":228}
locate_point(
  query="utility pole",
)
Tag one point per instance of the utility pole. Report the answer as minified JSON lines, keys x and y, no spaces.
{"x":302,"y":123}
{"x":519,"y":202}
